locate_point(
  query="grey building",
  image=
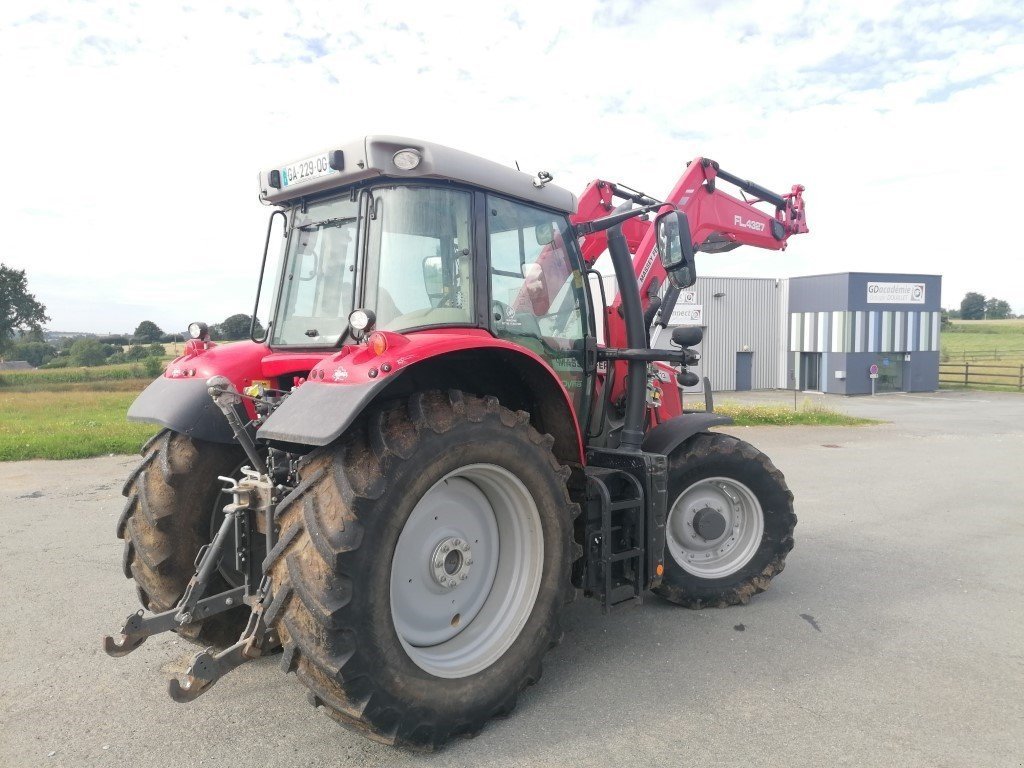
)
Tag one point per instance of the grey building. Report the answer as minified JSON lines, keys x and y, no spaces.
{"x":820,"y":332}
{"x":852,"y":330}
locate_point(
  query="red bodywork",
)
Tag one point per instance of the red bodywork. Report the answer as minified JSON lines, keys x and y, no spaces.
{"x":247,"y":362}
{"x":711,"y":213}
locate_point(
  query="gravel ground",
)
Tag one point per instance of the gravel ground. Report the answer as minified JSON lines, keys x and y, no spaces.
{"x":893,"y":638}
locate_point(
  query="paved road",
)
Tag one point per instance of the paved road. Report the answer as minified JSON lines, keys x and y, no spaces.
{"x":895,"y":637}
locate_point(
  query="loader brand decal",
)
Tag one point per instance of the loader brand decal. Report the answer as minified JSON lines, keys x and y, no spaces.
{"x":896,"y":293}
{"x":647,"y":267}
{"x":757,"y":226}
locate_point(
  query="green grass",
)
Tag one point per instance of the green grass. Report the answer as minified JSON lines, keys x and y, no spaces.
{"x":780,"y":415}
{"x":983,"y":338}
{"x":983,"y":344}
{"x":76,"y":421}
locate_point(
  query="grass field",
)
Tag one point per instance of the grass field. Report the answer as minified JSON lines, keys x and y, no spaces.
{"x":989,"y":346}
{"x":70,"y":421}
{"x":783,"y":415}
{"x":60,"y":377}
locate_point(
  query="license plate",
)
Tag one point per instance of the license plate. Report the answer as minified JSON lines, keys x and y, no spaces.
{"x":306,"y":170}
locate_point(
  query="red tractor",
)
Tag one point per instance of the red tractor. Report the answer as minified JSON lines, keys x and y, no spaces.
{"x":428,"y":453}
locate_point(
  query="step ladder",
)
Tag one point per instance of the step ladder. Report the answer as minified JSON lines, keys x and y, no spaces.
{"x":615,"y":536}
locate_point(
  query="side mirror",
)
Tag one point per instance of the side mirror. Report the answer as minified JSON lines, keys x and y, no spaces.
{"x":433,"y":278}
{"x":675,"y":245}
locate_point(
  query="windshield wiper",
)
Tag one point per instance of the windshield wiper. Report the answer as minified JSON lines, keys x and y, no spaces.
{"x":335,"y":222}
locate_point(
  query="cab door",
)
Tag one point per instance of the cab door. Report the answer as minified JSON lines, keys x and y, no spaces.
{"x":538,"y":293}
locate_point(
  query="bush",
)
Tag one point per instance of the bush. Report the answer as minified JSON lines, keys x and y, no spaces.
{"x":156,"y":350}
{"x":87,"y":352}
{"x":117,"y":359}
{"x":58,"y":362}
{"x":136,"y":352}
{"x":153,"y":366}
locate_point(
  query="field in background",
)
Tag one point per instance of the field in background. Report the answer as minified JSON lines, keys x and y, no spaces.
{"x":986,"y":353}
{"x":48,"y":419}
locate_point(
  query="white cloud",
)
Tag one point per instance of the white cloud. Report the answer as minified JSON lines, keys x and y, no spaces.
{"x":133,"y":132}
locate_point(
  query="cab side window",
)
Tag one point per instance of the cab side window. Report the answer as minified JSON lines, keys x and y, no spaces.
{"x":538,"y":297}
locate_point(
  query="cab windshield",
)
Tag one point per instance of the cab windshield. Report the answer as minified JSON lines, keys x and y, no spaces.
{"x":319,"y":277}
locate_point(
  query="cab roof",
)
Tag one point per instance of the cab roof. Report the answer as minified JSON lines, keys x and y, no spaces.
{"x":374,"y":157}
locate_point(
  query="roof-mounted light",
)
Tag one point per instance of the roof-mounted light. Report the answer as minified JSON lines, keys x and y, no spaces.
{"x":406,"y":159}
{"x":361,"y":321}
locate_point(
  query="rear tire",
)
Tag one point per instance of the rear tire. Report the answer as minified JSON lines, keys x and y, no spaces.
{"x":730,"y":523}
{"x":334,"y":571}
{"x":172,"y":497}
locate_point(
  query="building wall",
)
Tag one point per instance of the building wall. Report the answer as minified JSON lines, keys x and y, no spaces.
{"x":748,"y":315}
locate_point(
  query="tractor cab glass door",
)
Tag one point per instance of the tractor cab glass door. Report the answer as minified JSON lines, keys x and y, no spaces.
{"x":538,"y":292}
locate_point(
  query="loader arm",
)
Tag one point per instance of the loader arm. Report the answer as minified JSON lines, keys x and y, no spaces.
{"x":718,"y":221}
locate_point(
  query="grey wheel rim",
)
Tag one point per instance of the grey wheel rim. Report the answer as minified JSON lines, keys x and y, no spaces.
{"x":466,"y":570}
{"x":715,"y":527}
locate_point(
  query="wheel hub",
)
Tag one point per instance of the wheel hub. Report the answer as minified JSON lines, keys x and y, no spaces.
{"x":450,"y":563}
{"x":709,"y":523}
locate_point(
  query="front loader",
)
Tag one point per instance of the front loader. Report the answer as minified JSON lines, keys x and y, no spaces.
{"x":429,"y":452}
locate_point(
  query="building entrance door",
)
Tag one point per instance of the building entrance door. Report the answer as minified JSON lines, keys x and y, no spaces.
{"x":810,"y":371}
{"x":744,"y":371}
{"x":890,"y":372}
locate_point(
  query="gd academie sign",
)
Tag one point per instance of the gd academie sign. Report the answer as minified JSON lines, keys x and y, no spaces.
{"x":895,"y":293}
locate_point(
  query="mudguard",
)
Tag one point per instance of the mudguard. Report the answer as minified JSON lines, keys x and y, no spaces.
{"x":317,"y":414}
{"x":183,"y":405}
{"x":669,"y":435}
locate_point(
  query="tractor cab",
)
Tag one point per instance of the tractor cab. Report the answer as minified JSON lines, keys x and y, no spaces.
{"x":423,"y":238}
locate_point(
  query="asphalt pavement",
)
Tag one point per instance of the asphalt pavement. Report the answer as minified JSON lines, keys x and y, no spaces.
{"x":895,"y":636}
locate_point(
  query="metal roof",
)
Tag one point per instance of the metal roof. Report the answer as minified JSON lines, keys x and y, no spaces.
{"x":373,"y":157}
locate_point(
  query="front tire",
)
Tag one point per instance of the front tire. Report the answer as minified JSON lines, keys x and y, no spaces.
{"x":361,"y":575}
{"x":730,"y":523}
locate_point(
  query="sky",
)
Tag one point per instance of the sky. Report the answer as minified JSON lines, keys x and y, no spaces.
{"x":134,"y":131}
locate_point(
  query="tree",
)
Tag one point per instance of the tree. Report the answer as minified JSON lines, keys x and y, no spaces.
{"x":997,"y":309}
{"x":87,"y":352}
{"x":147,"y":331}
{"x":237,"y":327}
{"x":35,"y":353}
{"x":19,"y":309}
{"x":972,"y":307}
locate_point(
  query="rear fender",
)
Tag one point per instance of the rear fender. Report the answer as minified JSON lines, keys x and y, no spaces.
{"x":179,"y":400}
{"x":341,"y":387}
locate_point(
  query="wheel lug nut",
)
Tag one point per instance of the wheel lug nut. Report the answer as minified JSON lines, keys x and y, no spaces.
{"x":463,"y":576}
